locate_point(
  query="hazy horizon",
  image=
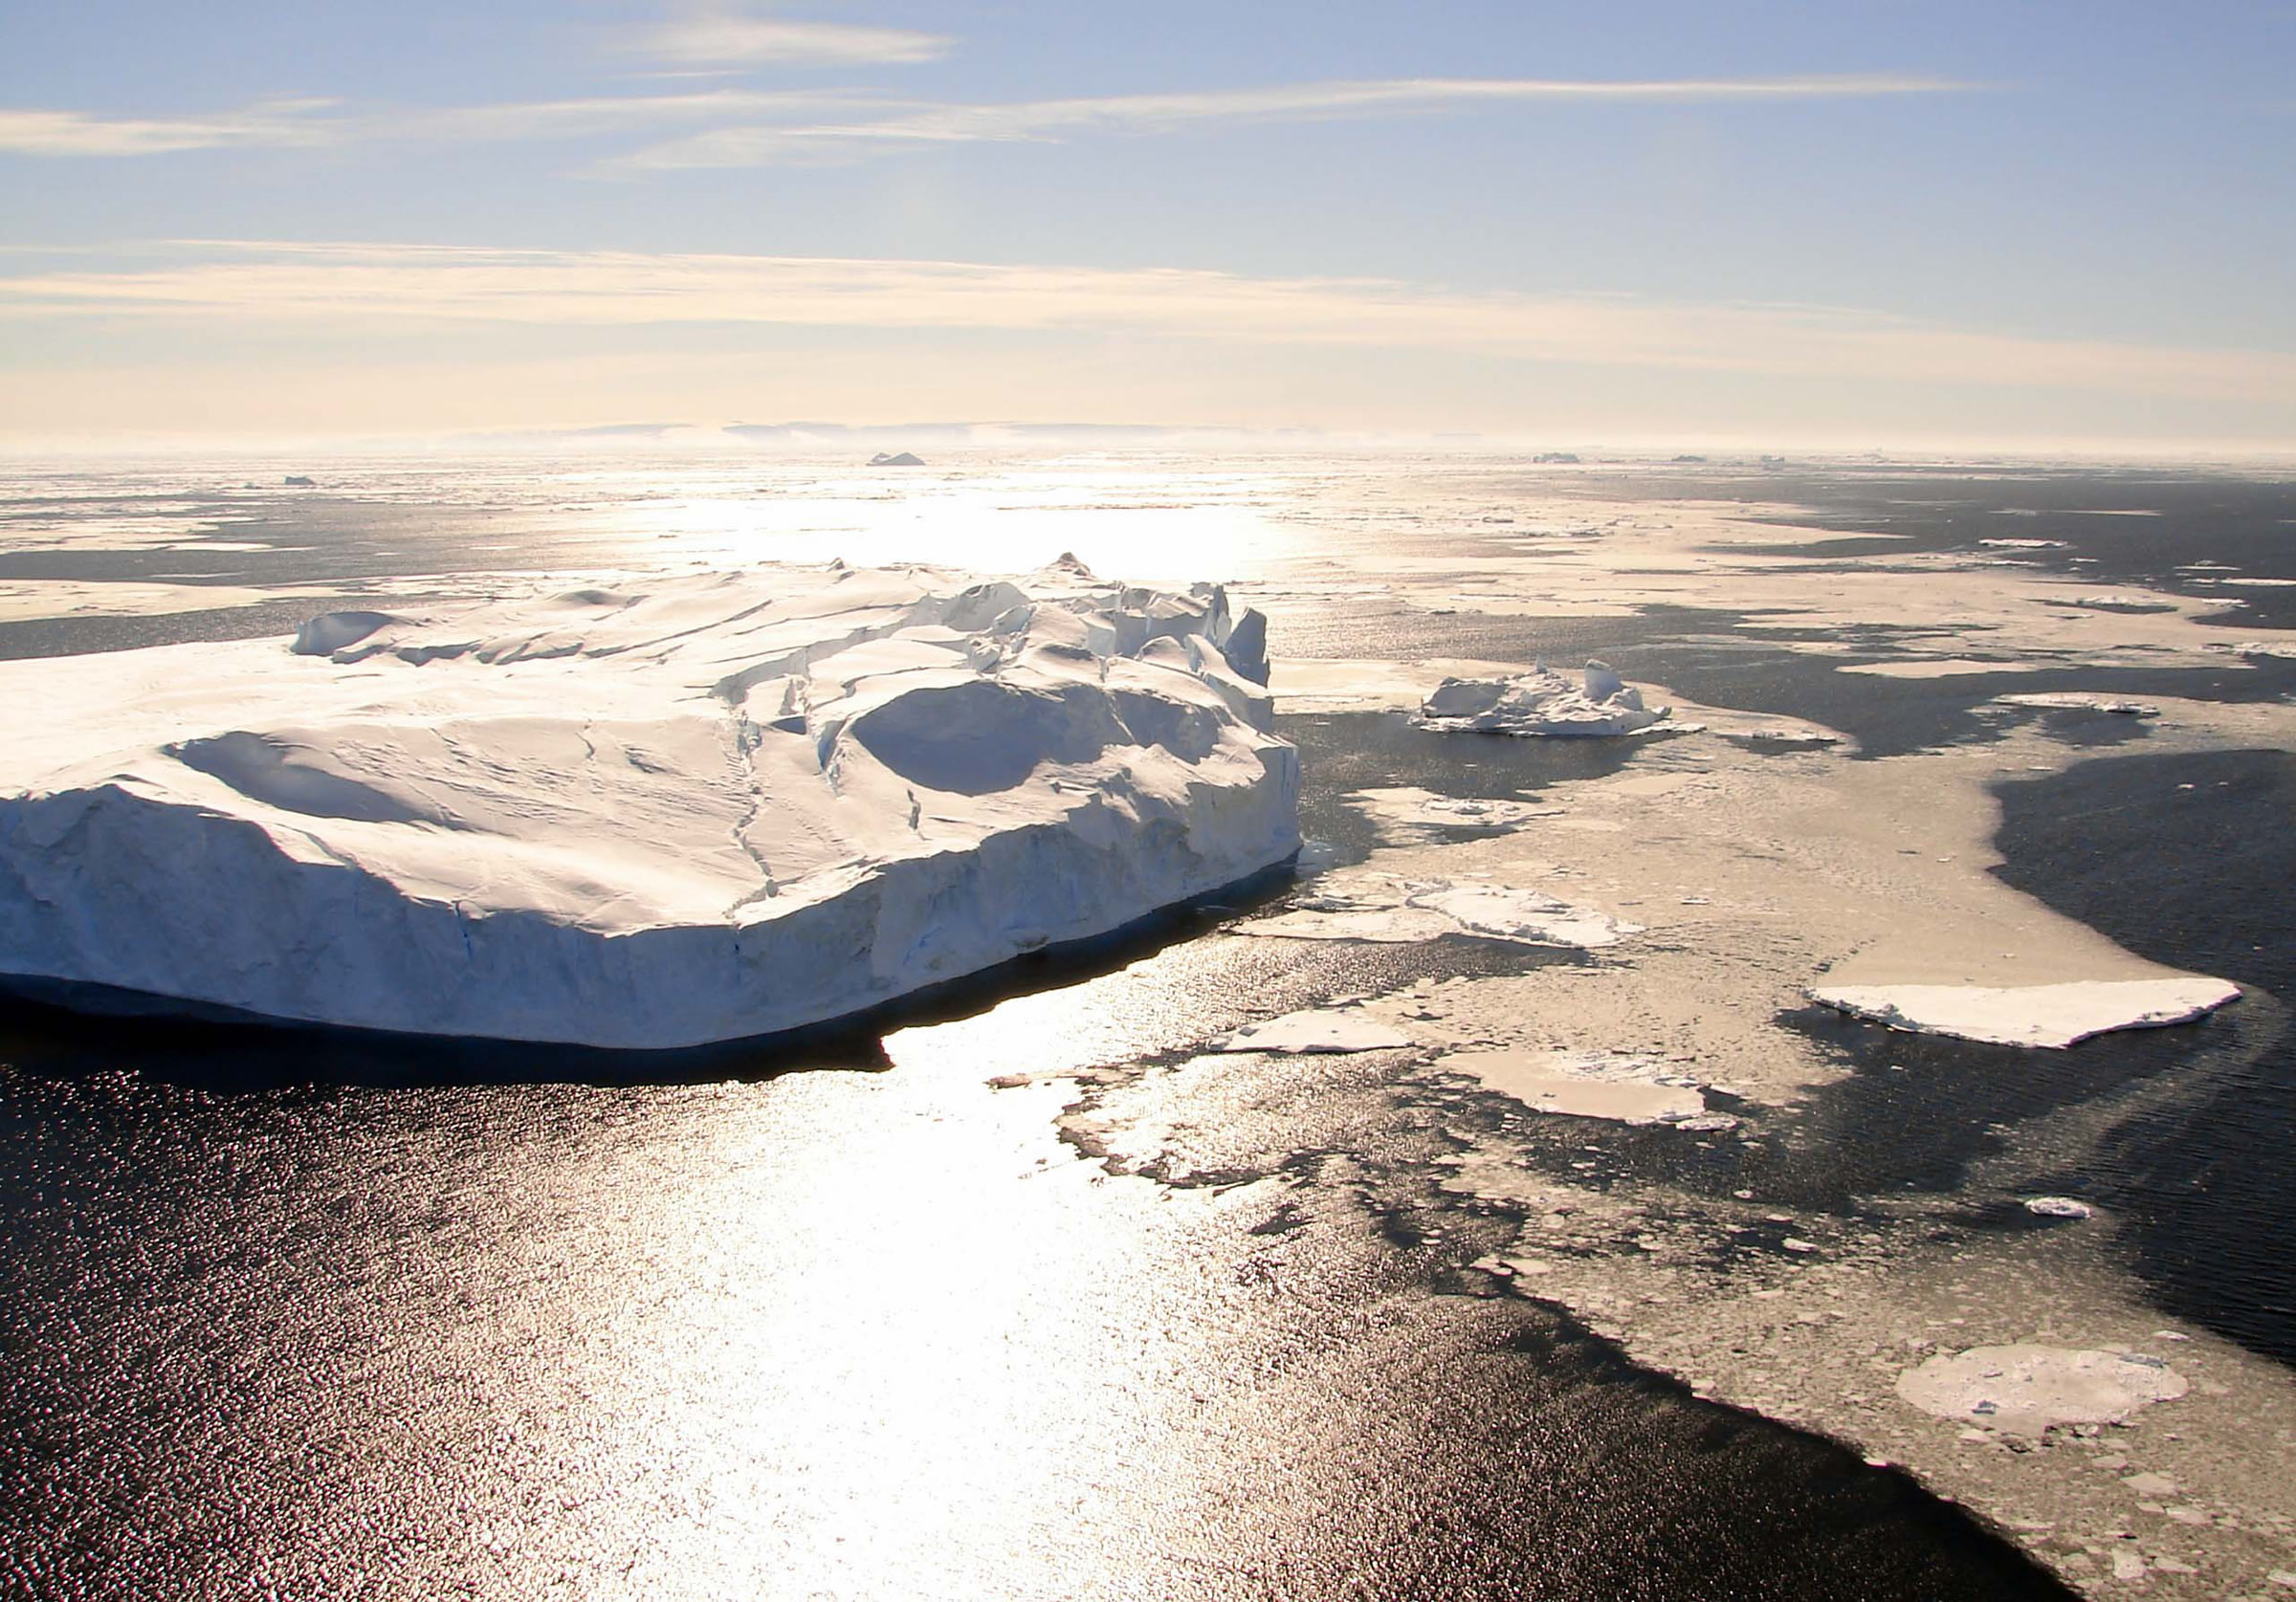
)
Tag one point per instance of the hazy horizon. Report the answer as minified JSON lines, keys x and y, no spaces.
{"x":1792,"y":225}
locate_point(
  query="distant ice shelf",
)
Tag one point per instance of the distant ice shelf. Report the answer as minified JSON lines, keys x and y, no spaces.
{"x":657,"y":813}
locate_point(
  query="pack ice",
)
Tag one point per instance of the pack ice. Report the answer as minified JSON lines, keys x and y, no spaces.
{"x":669,"y":812}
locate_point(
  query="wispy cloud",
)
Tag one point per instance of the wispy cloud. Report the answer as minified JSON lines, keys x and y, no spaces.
{"x":79,"y":133}
{"x":354,"y":285}
{"x":735,"y":40}
{"x":742,"y":128}
{"x":759,"y":145}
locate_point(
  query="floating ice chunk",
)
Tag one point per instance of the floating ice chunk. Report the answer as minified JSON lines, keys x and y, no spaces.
{"x":2023,"y":1389}
{"x":1630,"y":1087}
{"x":2111,"y":602}
{"x":1539,"y":703}
{"x":672,"y":811}
{"x":1382,"y":908}
{"x":2057,"y":1207}
{"x":2037,"y":1014}
{"x":1333,"y":1029}
{"x":2079,"y":700}
{"x":1407,"y":815}
{"x":2025,"y":544}
{"x":895,"y":459}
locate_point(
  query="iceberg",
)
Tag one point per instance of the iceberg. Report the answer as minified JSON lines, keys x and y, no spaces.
{"x":1539,"y":703}
{"x":657,"y":813}
{"x":2037,"y":1014}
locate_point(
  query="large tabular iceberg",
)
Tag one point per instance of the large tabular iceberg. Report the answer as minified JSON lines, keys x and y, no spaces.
{"x":660,"y":814}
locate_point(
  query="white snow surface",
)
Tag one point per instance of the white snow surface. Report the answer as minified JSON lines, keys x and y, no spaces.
{"x":2037,"y":1014}
{"x":655,"y":813}
{"x":2024,"y":1388}
{"x":1539,"y":703}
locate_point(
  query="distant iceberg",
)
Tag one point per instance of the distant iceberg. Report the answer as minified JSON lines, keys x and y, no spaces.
{"x":653,"y":813}
{"x":1540,"y":702}
{"x":900,"y":459}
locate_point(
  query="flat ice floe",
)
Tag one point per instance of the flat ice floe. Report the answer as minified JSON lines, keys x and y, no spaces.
{"x":1540,"y":703}
{"x":1317,"y":1031}
{"x":2079,"y":700}
{"x":2037,"y":1014}
{"x":1633,"y":1087}
{"x":1407,"y":815}
{"x":651,"y":814}
{"x":2024,"y":1388}
{"x":1386,"y":909}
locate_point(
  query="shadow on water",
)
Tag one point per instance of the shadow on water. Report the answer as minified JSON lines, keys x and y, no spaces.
{"x":67,"y":1030}
{"x":2188,"y":861}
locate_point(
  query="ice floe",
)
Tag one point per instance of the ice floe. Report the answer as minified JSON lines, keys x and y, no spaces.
{"x":2036,"y":1014}
{"x":650,"y":813}
{"x":2079,"y":700}
{"x":2057,"y":1207}
{"x":2024,"y":1388}
{"x":1407,"y":815}
{"x":1388,"y":909}
{"x":1319,"y":1030}
{"x":1633,"y":1087}
{"x":1540,"y":703}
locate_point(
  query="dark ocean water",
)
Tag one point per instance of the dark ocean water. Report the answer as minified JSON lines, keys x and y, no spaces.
{"x":890,"y":1313}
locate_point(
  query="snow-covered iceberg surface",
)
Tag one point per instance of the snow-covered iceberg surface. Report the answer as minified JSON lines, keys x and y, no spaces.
{"x":1539,"y":702}
{"x":663,"y":813}
{"x":2043,"y":1015}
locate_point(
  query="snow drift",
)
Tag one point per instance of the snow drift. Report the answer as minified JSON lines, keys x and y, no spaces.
{"x":656,"y":813}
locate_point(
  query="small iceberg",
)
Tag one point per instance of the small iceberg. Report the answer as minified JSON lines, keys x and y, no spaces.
{"x":901,"y":459}
{"x":1540,"y":703}
{"x":657,"y":813}
{"x":2037,"y":1014}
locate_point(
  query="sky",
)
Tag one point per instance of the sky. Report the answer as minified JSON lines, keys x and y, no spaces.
{"x":1845,"y":223}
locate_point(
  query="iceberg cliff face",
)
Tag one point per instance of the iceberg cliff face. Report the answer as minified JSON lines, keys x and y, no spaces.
{"x":683,"y":810}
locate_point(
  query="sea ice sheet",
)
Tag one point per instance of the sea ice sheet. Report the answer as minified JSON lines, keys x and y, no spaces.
{"x":652,"y":813}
